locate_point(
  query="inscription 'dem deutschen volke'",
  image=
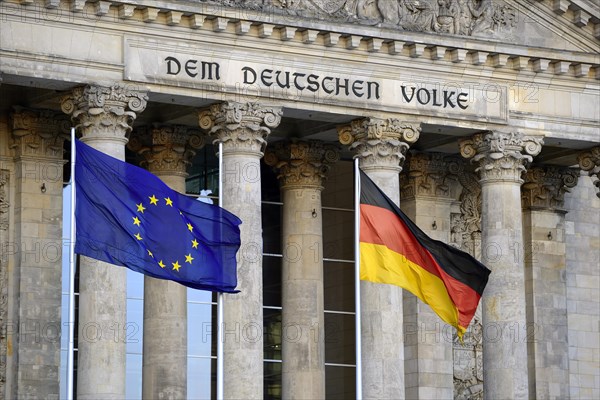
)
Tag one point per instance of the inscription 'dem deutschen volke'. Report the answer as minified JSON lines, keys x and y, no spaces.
{"x":301,"y":81}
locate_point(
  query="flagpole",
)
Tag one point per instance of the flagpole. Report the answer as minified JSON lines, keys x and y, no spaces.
{"x":71,"y":322}
{"x":220,"y":296}
{"x":357,"y":280}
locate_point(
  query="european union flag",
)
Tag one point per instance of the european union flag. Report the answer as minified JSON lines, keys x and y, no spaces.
{"x":127,"y":216}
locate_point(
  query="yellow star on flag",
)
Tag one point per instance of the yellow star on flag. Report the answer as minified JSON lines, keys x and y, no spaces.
{"x":136,"y":221}
{"x":190,"y":227}
{"x":195,"y":243}
{"x":150,"y":254}
{"x":189,"y":258}
{"x":176,"y":266}
{"x":140,"y":208}
{"x":161,"y":264}
{"x":138,"y":236}
{"x":169,"y":201}
{"x":153,"y":200}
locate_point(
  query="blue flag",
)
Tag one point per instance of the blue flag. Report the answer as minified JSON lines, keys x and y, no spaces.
{"x":127,"y":216}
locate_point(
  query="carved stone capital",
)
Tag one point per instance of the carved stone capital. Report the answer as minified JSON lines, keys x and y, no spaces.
{"x":104,"y":112}
{"x":379,"y":143}
{"x":166,"y":149}
{"x":545,"y":187}
{"x":501,"y":156}
{"x":38,"y":133}
{"x":302,"y":164}
{"x":426,"y":174}
{"x":589,"y":161}
{"x":242,"y":127}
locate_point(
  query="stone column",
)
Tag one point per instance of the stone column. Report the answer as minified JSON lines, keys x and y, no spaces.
{"x":243,"y":128}
{"x":589,"y":161}
{"x":380,"y":145}
{"x":501,"y":160}
{"x":166,"y":151}
{"x":104,"y":117}
{"x":427,"y":191}
{"x":545,"y":279}
{"x":302,"y":167}
{"x":33,"y":276}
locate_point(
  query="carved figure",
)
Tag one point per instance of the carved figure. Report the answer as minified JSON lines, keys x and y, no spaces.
{"x":484,"y":14}
{"x":449,"y":16}
{"x":421,"y":16}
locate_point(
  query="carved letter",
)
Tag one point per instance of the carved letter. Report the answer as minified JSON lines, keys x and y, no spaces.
{"x":266,"y":77}
{"x":170,"y":61}
{"x":190,"y":66}
{"x":406,"y":98}
{"x":419,"y":99}
{"x":460,"y":101}
{"x":448,"y":99}
{"x":253,"y":75}
{"x":338,"y":86}
{"x":285,"y":84}
{"x":325,"y":88}
{"x":313,"y":84}
{"x":435,"y":98}
{"x":370,"y":92}
{"x":357,"y":88}
{"x":208,"y":68}
{"x":296,"y":76}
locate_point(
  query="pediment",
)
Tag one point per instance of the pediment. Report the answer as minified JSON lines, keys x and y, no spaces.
{"x":558,"y":24}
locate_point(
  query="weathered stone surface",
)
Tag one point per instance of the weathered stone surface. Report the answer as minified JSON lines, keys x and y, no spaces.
{"x":589,"y":161}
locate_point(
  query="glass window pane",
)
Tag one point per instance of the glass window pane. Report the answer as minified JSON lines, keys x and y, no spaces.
{"x":272,"y":281}
{"x":133,"y":385}
{"x":202,"y":378}
{"x":338,"y":234}
{"x":339,"y":339}
{"x":272,"y":381}
{"x":272,"y":334}
{"x":338,"y":286}
{"x":201,"y":296}
{"x":339,"y":186}
{"x":64,"y":315}
{"x":201,"y":320}
{"x":63,"y":374}
{"x":271,"y":225}
{"x":340,"y":383}
{"x":135,"y":324}
{"x":135,"y":284}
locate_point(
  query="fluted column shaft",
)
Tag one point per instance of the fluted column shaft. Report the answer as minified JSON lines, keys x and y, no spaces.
{"x":166,"y":151}
{"x":545,"y":284}
{"x":30,"y":263}
{"x":103,"y":116}
{"x":302,"y":167}
{"x":427,"y":195}
{"x":380,"y":146}
{"x":500,"y":160}
{"x":242,"y":128}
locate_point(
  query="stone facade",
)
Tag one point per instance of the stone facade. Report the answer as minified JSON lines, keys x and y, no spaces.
{"x":406,"y":87}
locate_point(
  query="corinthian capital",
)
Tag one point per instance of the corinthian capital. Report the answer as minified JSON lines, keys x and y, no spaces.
{"x":545,"y":187}
{"x":379,"y":143}
{"x":302,"y":163}
{"x":501,"y":156}
{"x":104,"y":112}
{"x":242,"y":127}
{"x":39,"y":133}
{"x":589,"y":161}
{"x":166,"y":149}
{"x":427,"y":174}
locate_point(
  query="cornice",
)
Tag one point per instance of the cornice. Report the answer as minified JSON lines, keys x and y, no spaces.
{"x":477,"y":53}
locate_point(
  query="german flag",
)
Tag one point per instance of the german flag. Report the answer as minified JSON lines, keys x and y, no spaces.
{"x":394,"y":250}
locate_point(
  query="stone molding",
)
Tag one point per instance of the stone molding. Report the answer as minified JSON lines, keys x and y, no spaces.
{"x":379,"y":143}
{"x":217,"y":17}
{"x":104,"y":111}
{"x":38,"y":133}
{"x":545,"y":187}
{"x":302,"y":164}
{"x":166,"y":149}
{"x":499,"y":155}
{"x":589,"y":161}
{"x":242,"y":127}
{"x":426,"y":174}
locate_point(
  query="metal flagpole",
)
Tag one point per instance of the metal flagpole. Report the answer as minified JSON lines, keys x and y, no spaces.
{"x":71,"y":321}
{"x":357,"y":279}
{"x":220,"y":296}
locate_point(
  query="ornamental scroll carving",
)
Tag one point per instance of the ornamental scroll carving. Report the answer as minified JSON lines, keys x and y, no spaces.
{"x":483,"y":18}
{"x":589,"y":161}
{"x":426,"y":174}
{"x":545,"y":187}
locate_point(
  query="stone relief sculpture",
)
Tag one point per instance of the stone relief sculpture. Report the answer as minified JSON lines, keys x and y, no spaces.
{"x":4,"y":206}
{"x":484,"y":18}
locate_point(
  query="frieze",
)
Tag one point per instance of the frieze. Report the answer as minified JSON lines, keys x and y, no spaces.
{"x":483,"y":18}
